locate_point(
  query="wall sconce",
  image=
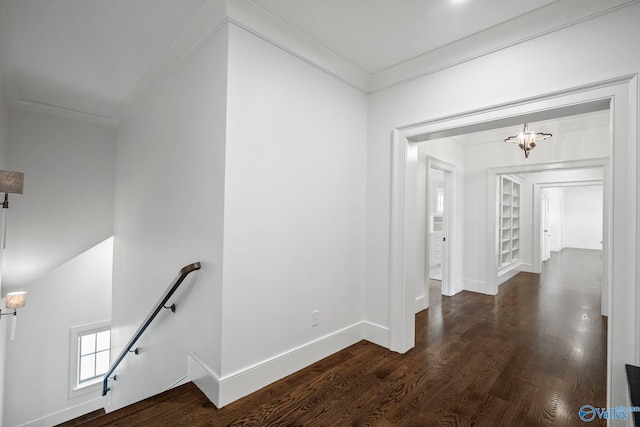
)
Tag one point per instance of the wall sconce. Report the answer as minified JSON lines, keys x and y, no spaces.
{"x":15,"y":300}
{"x":527,"y":140}
{"x":10,"y":182}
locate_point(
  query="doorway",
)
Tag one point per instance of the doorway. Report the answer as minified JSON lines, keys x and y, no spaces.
{"x":545,"y":225}
{"x":578,"y":217}
{"x":439,"y":218}
{"x":620,"y":95}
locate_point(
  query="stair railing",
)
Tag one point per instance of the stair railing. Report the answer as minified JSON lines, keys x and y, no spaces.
{"x":184,"y":272}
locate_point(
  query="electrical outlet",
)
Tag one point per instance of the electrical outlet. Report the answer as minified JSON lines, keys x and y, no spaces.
{"x":315,"y":317}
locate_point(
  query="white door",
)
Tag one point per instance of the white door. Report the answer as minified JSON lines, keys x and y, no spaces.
{"x":439,"y":211}
{"x":545,"y":237}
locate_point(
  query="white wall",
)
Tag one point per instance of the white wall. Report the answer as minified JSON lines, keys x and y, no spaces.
{"x":4,"y":134}
{"x":294,"y":209}
{"x":169,"y":213}
{"x":67,"y":205}
{"x":583,"y":217}
{"x":290,"y":171}
{"x":4,"y":130}
{"x":66,"y":210}
{"x":569,"y":145}
{"x":549,"y":180}
{"x":556,"y":218}
{"x":37,"y":375}
{"x":485,"y":82}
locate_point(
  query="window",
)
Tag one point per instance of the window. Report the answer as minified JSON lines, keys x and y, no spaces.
{"x":440,"y":201}
{"x":94,"y":348}
{"x":90,"y":356}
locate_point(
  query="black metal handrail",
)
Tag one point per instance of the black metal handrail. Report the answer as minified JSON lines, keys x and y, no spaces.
{"x":184,"y":272}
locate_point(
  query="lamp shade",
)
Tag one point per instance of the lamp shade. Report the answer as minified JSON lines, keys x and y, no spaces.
{"x":11,"y":182}
{"x":16,"y":299}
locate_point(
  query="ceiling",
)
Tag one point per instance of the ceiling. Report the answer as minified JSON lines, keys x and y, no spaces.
{"x":556,"y":126}
{"x":85,"y":59}
{"x":377,"y":34}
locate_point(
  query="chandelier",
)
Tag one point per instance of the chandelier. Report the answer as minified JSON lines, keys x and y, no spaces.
{"x":527,"y":140}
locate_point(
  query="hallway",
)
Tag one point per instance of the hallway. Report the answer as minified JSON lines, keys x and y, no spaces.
{"x":532,"y":355}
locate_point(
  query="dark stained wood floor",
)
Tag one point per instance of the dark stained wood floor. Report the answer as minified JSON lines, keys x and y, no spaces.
{"x":530,"y":356}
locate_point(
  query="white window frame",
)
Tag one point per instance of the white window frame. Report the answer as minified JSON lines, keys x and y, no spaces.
{"x":76,"y":389}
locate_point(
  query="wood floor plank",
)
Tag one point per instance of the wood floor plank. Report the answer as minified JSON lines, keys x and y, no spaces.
{"x":530,"y":356}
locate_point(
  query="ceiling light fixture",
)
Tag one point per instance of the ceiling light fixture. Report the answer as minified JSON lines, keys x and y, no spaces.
{"x":527,"y":140}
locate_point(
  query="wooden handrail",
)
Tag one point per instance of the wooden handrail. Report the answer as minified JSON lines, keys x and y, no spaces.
{"x":184,"y":272}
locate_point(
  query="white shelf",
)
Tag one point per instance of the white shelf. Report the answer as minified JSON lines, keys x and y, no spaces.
{"x":509,"y":222}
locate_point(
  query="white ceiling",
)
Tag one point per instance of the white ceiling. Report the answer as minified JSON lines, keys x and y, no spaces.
{"x":86,"y":55}
{"x":555,"y":126}
{"x":85,"y":59}
{"x":377,"y":34}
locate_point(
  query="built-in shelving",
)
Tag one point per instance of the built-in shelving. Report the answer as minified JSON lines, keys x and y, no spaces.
{"x":509,"y":247}
{"x":437,"y":223}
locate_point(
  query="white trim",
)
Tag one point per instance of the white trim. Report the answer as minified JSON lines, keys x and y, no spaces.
{"x":490,"y":41}
{"x":457,"y":287}
{"x":622,"y":338}
{"x":421,"y":304}
{"x":509,"y":272}
{"x":526,"y":267}
{"x":569,"y":245}
{"x":222,"y":390}
{"x":205,"y":25}
{"x":184,"y":380}
{"x":376,"y":334}
{"x":74,"y":390}
{"x":403,"y":251}
{"x":67,"y":414}
{"x":261,"y":23}
{"x":475,"y":286}
{"x":212,"y":17}
{"x":203,"y":377}
{"x":448,"y":258}
{"x":607,"y":227}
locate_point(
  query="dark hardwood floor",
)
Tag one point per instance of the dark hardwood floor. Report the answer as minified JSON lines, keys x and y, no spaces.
{"x":530,"y":356}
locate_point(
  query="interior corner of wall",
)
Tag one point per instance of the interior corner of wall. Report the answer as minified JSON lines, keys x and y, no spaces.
{"x":526,"y":267}
{"x":232,"y":387}
{"x":477,"y":286}
{"x":457,"y":288}
{"x":421,"y":304}
{"x":204,"y":378}
{"x":376,"y":334}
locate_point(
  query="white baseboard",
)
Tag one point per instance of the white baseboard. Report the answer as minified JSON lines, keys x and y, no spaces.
{"x":527,"y":268}
{"x":596,"y":246}
{"x":67,"y":414}
{"x":222,"y":391}
{"x":376,"y":334}
{"x":507,"y":274}
{"x":457,"y":288}
{"x":476,"y":286}
{"x":421,"y":303}
{"x":203,"y":377}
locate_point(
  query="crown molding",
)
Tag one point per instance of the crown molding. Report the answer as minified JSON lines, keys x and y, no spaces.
{"x":208,"y":21}
{"x":272,"y":29}
{"x":211,"y":18}
{"x":215,"y":14}
{"x":535,"y":24}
